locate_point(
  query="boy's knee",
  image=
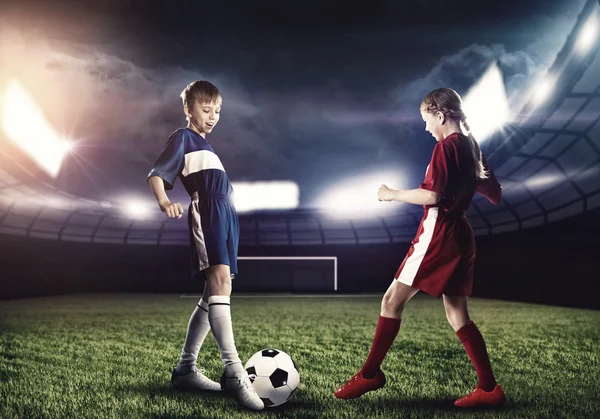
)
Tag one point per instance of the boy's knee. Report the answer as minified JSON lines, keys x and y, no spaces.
{"x":220,"y":282}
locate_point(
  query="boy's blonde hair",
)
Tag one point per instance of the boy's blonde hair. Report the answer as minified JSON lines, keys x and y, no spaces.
{"x":448,"y":102}
{"x":200,"y":91}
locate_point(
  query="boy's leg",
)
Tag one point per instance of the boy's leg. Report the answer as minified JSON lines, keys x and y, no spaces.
{"x":220,"y":315}
{"x":370,"y":377}
{"x":198,"y":328}
{"x":487,"y":391}
{"x":186,"y":375}
{"x":235,"y":378}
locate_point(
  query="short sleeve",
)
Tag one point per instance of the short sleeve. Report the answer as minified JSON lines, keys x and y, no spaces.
{"x":170,"y":162}
{"x":436,"y":178}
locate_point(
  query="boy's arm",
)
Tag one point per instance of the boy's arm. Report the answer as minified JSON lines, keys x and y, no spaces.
{"x":171,"y":209}
{"x":489,"y":187}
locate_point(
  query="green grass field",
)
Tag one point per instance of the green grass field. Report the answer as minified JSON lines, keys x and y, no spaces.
{"x":111,"y":355}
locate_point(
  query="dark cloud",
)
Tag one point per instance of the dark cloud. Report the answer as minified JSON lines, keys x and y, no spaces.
{"x":312,"y":107}
{"x":462,"y":69}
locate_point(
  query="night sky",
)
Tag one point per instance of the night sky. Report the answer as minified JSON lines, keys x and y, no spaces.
{"x":316,"y":92}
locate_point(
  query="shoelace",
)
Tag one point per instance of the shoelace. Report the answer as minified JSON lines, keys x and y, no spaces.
{"x":473,"y":390}
{"x":199,"y":371}
{"x":351,"y":380}
{"x":247,"y":382}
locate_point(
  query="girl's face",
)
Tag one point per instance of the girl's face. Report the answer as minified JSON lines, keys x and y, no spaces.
{"x":433,"y":123}
{"x":205,"y":116}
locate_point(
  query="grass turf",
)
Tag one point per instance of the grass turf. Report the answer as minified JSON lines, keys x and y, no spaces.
{"x":111,"y":355}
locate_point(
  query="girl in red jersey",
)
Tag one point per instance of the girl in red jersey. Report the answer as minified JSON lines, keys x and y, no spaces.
{"x":440,"y":260}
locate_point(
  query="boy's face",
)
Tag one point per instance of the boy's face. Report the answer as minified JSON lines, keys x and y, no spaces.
{"x":433,"y":124}
{"x":205,"y":116}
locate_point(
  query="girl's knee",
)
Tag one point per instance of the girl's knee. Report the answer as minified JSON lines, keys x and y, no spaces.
{"x":391,"y":306}
{"x":457,"y":322}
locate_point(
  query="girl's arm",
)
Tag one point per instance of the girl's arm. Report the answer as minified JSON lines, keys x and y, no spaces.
{"x":489,"y":187}
{"x":412,"y":196}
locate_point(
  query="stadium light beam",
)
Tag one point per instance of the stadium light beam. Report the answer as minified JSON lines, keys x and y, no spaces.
{"x":251,"y":196}
{"x":137,"y":209}
{"x":588,"y":35}
{"x":357,"y":198}
{"x":68,"y":146}
{"x":486,"y":104}
{"x":543,"y":181}
{"x":543,"y":91}
{"x":39,"y":140}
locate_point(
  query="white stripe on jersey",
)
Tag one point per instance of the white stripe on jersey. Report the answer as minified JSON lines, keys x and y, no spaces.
{"x":197,"y":161}
{"x":411,"y":267}
{"x":198,"y":235}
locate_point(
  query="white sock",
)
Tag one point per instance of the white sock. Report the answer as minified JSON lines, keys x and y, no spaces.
{"x":219,"y":315}
{"x":198,"y":328}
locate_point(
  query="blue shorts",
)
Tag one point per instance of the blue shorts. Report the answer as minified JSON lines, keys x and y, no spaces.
{"x":214,"y":233}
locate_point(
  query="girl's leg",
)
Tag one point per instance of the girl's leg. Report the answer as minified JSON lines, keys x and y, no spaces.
{"x":388,"y":325}
{"x":370,"y":377}
{"x":457,"y":314}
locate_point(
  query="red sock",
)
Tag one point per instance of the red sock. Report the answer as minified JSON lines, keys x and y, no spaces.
{"x":471,"y":338}
{"x":387,"y":329}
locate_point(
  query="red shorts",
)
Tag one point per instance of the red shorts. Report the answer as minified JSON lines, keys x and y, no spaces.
{"x":442,"y":255}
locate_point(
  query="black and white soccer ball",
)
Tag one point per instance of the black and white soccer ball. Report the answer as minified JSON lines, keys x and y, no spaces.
{"x":276,"y":376}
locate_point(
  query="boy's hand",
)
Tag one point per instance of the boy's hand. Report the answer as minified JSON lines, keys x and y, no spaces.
{"x":384,"y":193}
{"x":172,"y":209}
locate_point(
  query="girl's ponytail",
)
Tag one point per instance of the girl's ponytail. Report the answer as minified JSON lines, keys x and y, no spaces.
{"x":480,"y":171}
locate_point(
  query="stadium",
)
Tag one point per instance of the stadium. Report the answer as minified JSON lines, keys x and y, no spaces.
{"x":91,"y":287}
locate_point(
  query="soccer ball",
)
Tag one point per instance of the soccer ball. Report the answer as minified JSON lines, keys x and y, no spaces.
{"x":276,"y":374}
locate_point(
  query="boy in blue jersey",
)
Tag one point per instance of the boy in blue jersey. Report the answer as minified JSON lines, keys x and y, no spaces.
{"x":214,"y":237}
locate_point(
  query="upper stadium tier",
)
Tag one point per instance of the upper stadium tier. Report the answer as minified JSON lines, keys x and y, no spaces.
{"x":548,"y":162}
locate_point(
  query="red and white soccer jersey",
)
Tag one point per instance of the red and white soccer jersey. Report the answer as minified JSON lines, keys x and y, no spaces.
{"x":442,"y":255}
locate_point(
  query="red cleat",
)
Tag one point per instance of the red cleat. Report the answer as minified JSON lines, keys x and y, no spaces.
{"x":479,"y":398}
{"x":359,"y":385}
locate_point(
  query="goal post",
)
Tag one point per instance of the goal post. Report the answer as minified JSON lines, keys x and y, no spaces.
{"x":287,"y":273}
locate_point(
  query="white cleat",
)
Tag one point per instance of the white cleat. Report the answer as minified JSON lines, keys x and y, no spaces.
{"x":194,"y":379}
{"x":240,"y":386}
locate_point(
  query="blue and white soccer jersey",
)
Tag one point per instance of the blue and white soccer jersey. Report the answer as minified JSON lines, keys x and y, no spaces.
{"x":212,"y":219}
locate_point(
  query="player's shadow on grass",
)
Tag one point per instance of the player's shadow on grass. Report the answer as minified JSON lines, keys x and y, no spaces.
{"x":442,"y":405}
{"x":400,"y":403}
{"x":164,"y":389}
{"x":293,"y":405}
